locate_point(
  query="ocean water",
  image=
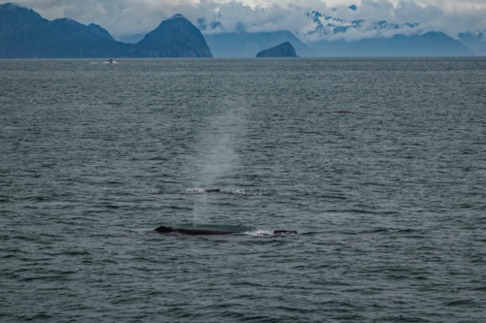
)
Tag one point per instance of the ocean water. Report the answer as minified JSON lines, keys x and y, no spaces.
{"x":379,"y":164}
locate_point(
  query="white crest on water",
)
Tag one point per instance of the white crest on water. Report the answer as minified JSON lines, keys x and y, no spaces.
{"x":258,"y":233}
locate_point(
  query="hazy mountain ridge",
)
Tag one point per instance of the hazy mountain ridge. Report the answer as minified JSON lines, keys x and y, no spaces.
{"x":327,"y":36}
{"x":329,"y":25}
{"x":25,"y":34}
{"x":428,"y":44}
{"x":475,"y":41}
{"x":245,"y":44}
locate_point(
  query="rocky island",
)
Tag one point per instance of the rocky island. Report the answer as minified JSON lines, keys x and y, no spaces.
{"x":283,"y":50}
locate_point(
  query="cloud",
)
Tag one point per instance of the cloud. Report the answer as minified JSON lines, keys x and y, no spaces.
{"x":139,"y":16}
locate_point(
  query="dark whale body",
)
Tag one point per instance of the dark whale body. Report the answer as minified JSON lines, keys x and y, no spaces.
{"x":194,"y":232}
{"x":212,"y":190}
{"x":200,"y":232}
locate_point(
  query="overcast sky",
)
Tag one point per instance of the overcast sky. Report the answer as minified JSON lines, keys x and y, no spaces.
{"x":121,"y":17}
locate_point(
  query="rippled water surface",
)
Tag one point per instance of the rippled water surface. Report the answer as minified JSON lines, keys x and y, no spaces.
{"x":380,"y":165}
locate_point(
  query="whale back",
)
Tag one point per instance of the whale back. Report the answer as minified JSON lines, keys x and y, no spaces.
{"x":164,"y":229}
{"x":212,"y":190}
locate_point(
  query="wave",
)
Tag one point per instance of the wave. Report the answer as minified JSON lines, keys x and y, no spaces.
{"x":258,"y":233}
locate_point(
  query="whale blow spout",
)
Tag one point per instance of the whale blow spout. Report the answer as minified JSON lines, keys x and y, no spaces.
{"x":198,"y":232}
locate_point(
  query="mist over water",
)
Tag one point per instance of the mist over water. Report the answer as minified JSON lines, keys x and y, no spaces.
{"x":217,"y":158}
{"x":218,"y":155}
{"x":379,"y":164}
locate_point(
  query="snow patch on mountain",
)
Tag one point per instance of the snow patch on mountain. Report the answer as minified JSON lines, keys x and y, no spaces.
{"x":330,"y":26}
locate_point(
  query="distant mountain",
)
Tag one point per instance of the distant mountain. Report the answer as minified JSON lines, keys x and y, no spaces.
{"x":327,"y":34}
{"x":100,"y":31}
{"x":131,"y":38}
{"x":69,"y":38}
{"x":15,"y":19}
{"x":429,"y":44}
{"x":283,"y":50}
{"x":25,"y":34}
{"x":475,"y":41}
{"x":330,"y":25}
{"x":245,"y":44}
{"x":392,"y":39}
{"x":174,"y":37}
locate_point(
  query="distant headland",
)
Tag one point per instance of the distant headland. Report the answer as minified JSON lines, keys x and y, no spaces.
{"x":283,"y":50}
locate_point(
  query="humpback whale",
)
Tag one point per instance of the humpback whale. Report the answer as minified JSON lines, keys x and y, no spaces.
{"x":199,"y":232}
